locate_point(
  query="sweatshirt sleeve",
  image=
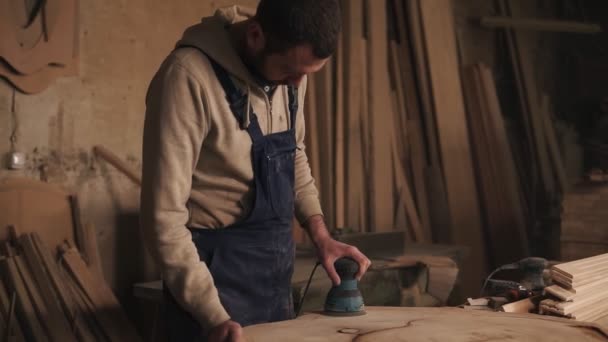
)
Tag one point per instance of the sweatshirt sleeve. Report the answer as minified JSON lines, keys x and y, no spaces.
{"x":174,"y":129}
{"x":307,"y":197}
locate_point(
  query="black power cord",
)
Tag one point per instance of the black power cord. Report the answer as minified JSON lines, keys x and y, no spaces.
{"x":306,"y":288}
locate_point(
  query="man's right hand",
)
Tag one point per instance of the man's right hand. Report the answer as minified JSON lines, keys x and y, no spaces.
{"x":229,"y":331}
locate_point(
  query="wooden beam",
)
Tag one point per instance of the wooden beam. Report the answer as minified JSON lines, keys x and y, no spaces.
{"x":539,"y":24}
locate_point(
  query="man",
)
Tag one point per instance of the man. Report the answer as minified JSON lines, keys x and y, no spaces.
{"x":224,"y":167}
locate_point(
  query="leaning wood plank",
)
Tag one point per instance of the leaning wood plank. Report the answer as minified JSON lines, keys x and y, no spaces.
{"x":339,"y":137}
{"x":540,"y":24}
{"x":38,"y":303}
{"x":85,"y":238}
{"x":438,"y":23}
{"x":50,"y":266}
{"x":552,"y":144}
{"x":415,"y":131}
{"x":521,"y":47}
{"x":32,"y":329}
{"x":5,"y":307}
{"x":86,"y":325}
{"x":109,"y":312}
{"x":435,"y":183}
{"x":66,"y":299}
{"x":55,"y":320}
{"x":496,"y":176}
{"x":511,"y":184}
{"x":405,"y":196}
{"x":380,"y":113}
{"x":353,"y":78}
{"x":365,"y":118}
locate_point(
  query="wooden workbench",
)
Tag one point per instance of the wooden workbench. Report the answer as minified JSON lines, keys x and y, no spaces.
{"x":426,"y":324}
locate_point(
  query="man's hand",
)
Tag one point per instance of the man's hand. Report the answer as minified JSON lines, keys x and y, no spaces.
{"x":330,"y":250}
{"x":229,"y":331}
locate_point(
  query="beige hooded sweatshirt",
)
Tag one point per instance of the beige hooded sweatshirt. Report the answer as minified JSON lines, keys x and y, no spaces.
{"x":197,"y":169}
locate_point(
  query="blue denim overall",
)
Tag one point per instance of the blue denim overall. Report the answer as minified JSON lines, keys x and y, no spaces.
{"x":251,"y":261}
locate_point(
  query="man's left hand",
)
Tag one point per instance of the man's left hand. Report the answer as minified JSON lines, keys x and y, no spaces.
{"x":330,"y":250}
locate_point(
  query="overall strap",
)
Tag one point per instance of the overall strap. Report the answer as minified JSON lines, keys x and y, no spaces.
{"x":292,"y":93}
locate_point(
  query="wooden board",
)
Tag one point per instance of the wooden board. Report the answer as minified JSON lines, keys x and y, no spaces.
{"x":24,"y":308}
{"x":107,"y":308}
{"x":353,"y":78}
{"x":55,"y":320}
{"x":382,"y":205}
{"x":415,"y":129}
{"x":497,"y":179}
{"x":466,"y":229}
{"x":426,"y":324}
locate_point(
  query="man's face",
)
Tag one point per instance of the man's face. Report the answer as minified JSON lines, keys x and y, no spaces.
{"x":290,"y":66}
{"x":287,"y":67}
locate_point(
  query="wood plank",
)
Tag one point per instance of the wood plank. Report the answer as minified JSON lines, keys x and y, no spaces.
{"x":8,"y":316}
{"x":66,"y":299}
{"x":353,"y":78}
{"x":338,"y":189}
{"x":53,"y":317}
{"x":109,"y":313}
{"x":415,"y":131}
{"x":36,"y":299}
{"x":379,"y":112}
{"x":87,"y":326}
{"x":552,"y":144}
{"x":520,"y":48}
{"x":435,"y":183}
{"x":32,"y":328}
{"x":497,"y":179}
{"x":324,"y":96}
{"x":438,"y":24}
{"x":85,"y":238}
{"x":365,"y":202}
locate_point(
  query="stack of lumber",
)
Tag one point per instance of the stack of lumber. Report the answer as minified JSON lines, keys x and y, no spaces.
{"x":581,"y":290}
{"x":43,"y":298}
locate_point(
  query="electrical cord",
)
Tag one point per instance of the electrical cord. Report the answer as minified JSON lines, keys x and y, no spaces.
{"x":306,"y":288}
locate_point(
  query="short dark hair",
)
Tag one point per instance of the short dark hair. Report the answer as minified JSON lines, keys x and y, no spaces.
{"x":287,"y":23}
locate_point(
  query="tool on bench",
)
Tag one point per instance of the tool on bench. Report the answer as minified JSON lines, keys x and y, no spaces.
{"x":345,"y":299}
{"x":531,"y":282}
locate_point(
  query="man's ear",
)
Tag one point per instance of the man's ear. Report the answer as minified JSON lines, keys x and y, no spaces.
{"x":256,"y":41}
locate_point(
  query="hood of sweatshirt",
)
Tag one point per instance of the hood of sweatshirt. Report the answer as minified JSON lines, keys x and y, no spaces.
{"x":211,"y":36}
